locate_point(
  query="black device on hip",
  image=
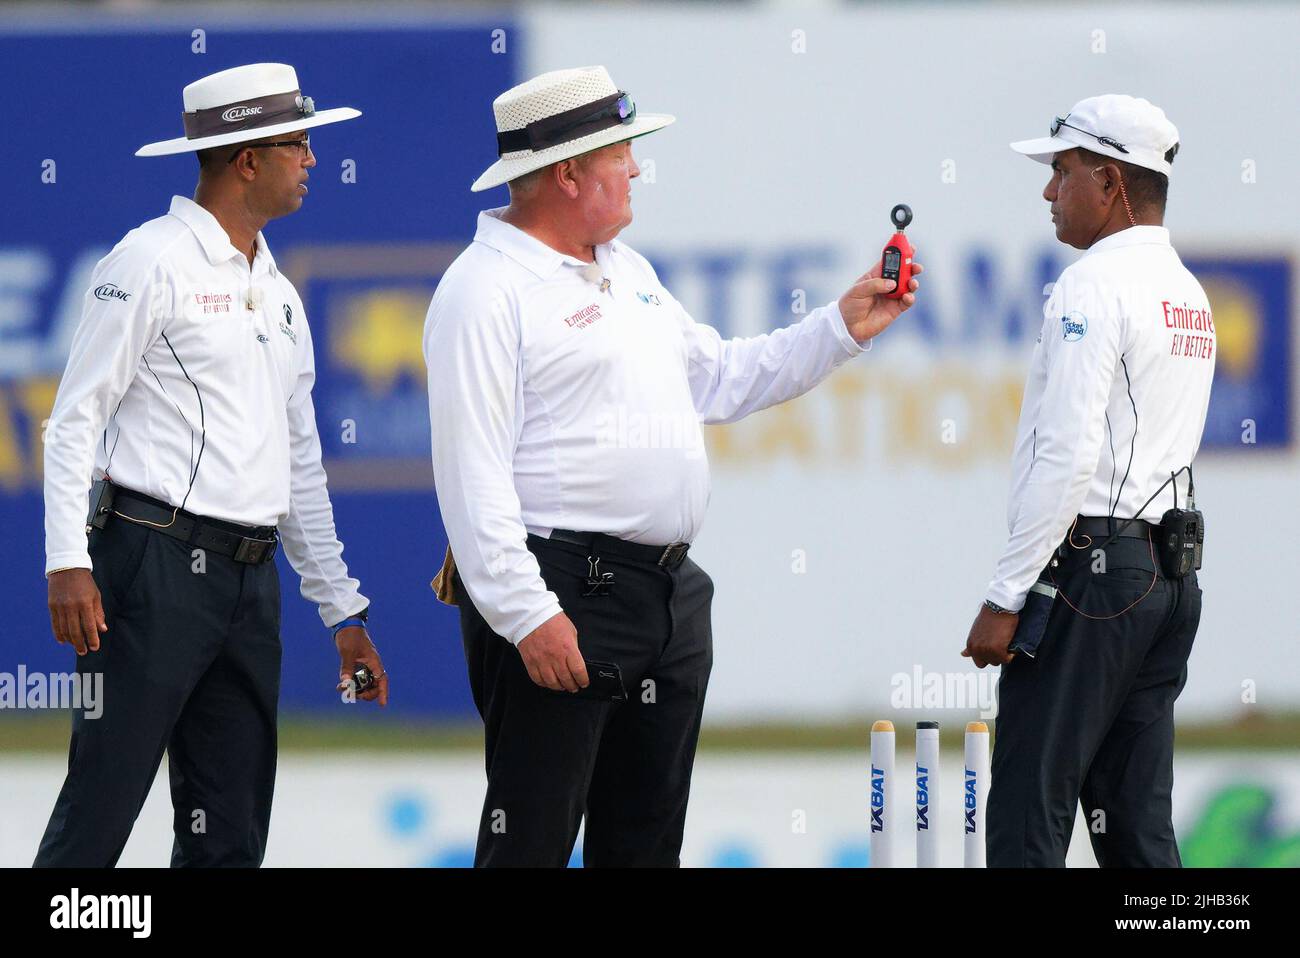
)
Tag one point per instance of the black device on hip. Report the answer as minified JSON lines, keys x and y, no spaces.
{"x":1181,"y":531}
{"x":102,"y":493}
{"x":1182,"y":537}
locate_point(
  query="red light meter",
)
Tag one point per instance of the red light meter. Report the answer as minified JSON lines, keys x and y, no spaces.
{"x":896,"y":261}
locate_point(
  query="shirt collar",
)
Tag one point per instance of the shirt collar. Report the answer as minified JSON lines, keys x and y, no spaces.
{"x":1133,"y":236}
{"x":212,"y":237}
{"x":527,"y":250}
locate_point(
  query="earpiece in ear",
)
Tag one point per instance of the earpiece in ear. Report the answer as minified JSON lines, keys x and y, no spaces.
{"x":1123,"y":194}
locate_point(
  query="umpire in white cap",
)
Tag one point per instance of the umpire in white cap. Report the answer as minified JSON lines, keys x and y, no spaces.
{"x":1094,"y":605}
{"x":567,"y":387}
{"x":187,"y":402}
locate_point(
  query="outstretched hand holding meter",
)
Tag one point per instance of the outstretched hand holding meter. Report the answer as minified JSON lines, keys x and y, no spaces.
{"x":880,"y":296}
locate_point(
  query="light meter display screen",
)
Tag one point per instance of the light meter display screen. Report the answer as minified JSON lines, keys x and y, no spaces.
{"x":893,"y":259}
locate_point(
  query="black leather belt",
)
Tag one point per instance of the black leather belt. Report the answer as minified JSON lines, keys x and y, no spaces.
{"x":249,"y":544}
{"x":669,"y":557}
{"x":1101,"y":528}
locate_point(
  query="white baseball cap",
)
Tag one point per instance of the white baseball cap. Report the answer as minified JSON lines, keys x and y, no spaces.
{"x":1126,"y":128}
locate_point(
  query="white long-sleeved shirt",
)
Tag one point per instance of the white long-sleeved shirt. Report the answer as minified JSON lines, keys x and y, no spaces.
{"x":1115,"y":401}
{"x":560,"y":401}
{"x":190,"y":380}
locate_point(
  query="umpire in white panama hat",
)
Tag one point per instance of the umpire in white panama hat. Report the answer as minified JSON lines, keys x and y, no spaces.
{"x":567,"y":387}
{"x":187,"y":399}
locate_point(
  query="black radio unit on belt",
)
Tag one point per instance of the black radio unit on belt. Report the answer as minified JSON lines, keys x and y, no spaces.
{"x":102,"y":493}
{"x":1182,"y":537}
{"x":1181,"y":531}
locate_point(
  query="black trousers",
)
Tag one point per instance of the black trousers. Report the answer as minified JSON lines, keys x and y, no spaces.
{"x":1091,"y":718}
{"x":191,"y":666}
{"x":553,"y":758}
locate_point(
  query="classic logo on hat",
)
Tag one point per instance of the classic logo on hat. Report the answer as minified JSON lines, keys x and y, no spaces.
{"x":239,"y":112}
{"x":241,"y":104}
{"x":560,"y":115}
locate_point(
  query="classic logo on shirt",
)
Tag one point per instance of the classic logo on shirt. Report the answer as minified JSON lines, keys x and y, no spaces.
{"x":1074,"y":327}
{"x":649,"y":298}
{"x":240,"y":112}
{"x":288,"y":314}
{"x":583,"y":317}
{"x":214,"y":302}
{"x":109,"y":292}
{"x":293,"y":337}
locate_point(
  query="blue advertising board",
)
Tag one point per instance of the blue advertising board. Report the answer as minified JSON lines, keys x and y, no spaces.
{"x":389,"y":208}
{"x":1251,"y":298}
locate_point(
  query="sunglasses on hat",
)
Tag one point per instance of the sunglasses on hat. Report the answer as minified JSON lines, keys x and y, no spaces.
{"x":1060,"y":122}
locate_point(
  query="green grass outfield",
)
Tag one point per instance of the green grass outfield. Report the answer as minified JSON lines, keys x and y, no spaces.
{"x":302,"y":733}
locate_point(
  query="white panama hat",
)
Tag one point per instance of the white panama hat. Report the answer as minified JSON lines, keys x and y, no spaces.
{"x":1122,"y":127}
{"x":559,"y":115}
{"x":241,"y":104}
